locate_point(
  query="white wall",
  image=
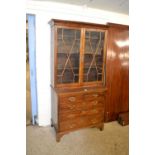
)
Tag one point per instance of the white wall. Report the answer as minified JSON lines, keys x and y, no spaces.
{"x":44,"y":12}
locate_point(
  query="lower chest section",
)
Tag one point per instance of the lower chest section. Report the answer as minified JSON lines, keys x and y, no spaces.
{"x":79,"y":110}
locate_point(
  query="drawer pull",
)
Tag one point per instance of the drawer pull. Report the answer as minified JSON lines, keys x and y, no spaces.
{"x":71,"y":106}
{"x":71,"y":116}
{"x":72,"y":126}
{"x":93,"y":121}
{"x":95,"y":95}
{"x":95,"y":102}
{"x":95,"y":111}
{"x":72,"y":99}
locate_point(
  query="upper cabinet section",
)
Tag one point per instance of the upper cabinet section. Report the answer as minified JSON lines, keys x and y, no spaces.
{"x":79,"y":53}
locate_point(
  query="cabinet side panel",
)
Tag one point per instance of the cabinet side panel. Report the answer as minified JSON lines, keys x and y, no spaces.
{"x":124,"y":104}
{"x":52,"y":56}
{"x":54,"y":108}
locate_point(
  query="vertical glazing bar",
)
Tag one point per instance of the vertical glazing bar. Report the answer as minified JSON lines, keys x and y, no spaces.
{"x":104,"y":58}
{"x":82,"y":47}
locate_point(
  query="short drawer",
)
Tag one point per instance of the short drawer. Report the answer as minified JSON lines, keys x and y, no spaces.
{"x":70,"y":98}
{"x":93,"y":103}
{"x":93,"y":96}
{"x":80,"y":122}
{"x":69,"y":102}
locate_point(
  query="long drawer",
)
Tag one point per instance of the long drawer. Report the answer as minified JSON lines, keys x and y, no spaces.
{"x":81,"y":101}
{"x":80,"y":122}
{"x":68,"y":115}
{"x":81,"y":105}
{"x":65,"y":98}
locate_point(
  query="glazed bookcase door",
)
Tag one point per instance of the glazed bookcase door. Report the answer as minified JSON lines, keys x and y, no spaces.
{"x":93,"y":56}
{"x":68,"y":55}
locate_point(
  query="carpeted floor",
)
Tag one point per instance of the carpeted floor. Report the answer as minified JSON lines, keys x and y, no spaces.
{"x":113,"y":140}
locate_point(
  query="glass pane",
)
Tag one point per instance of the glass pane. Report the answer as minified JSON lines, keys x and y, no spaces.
{"x":68,"y":52}
{"x":93,"y":56}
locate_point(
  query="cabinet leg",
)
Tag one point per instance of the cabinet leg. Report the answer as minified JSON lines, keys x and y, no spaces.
{"x":101,"y":127}
{"x":52,"y":125}
{"x":58,"y":137}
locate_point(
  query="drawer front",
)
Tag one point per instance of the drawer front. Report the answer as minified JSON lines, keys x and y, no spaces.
{"x":81,"y":105}
{"x":78,"y":98}
{"x":70,"y":99}
{"x":80,"y":122}
{"x":93,"y":96}
{"x":81,"y":101}
{"x":69,"y":102}
{"x":66,"y":115}
{"x":92,"y":104}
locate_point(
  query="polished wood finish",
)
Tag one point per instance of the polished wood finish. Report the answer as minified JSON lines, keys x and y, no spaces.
{"x":81,"y":55}
{"x":82,"y":104}
{"x":117,"y":72}
{"x":80,"y":109}
{"x":78,"y":104}
{"x":57,"y":22}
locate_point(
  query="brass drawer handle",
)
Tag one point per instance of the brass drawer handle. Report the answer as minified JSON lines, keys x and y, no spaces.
{"x":95,"y":102}
{"x":71,"y":116}
{"x":72,"y":126}
{"x":94,"y":121}
{"x":95,"y":95}
{"x":72,"y":99}
{"x":95,"y":111}
{"x":71,"y":106}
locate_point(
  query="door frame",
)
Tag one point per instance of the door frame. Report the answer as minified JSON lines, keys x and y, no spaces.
{"x":32,"y":64}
